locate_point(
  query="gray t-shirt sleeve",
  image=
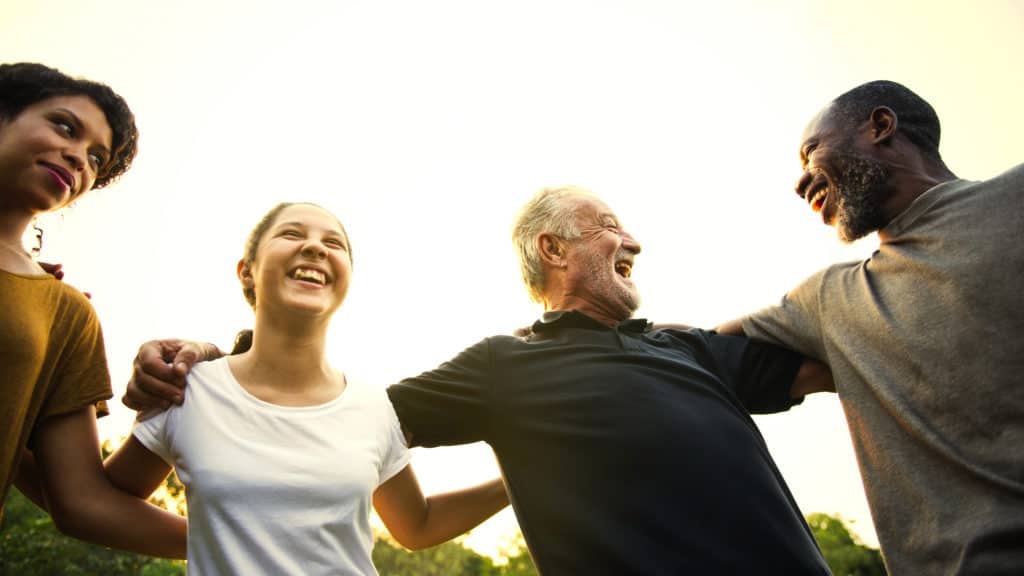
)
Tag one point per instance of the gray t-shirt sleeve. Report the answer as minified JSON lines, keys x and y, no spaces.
{"x":794,"y":322}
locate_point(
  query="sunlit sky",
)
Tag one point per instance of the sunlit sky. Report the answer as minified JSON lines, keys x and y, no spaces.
{"x":425,"y":125}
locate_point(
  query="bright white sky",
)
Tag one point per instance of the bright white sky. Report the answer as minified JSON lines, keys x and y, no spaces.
{"x":425,"y":125}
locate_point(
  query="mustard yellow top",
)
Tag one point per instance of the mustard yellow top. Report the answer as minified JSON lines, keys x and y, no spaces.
{"x":52,"y":361}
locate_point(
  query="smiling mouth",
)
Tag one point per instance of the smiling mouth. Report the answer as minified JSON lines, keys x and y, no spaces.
{"x":624,"y":268}
{"x":61,"y":175}
{"x":817,"y":198}
{"x":310,"y":275}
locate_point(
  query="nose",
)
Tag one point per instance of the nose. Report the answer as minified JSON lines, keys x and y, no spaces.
{"x":802,"y":184}
{"x":76,"y":156}
{"x":315,"y":249}
{"x":630,"y":243}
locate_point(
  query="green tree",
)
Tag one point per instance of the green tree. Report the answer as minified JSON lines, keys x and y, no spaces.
{"x":448,"y":559}
{"x":517,"y":559}
{"x":845,"y":555}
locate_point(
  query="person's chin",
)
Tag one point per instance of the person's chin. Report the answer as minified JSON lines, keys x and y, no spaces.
{"x":849,"y":234}
{"x":44,"y":201}
{"x":847,"y":230}
{"x":631,"y":302}
{"x":310,"y":306}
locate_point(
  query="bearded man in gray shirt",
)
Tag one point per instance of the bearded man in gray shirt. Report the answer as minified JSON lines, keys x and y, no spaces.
{"x":924,"y":338}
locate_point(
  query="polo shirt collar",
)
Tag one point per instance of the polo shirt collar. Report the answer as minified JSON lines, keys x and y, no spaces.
{"x":575,"y":319}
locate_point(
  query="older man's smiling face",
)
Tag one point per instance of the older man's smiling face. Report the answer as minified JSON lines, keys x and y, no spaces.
{"x":601,"y":261}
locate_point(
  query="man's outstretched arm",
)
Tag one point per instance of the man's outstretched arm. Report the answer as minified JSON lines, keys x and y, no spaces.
{"x":813,"y":376}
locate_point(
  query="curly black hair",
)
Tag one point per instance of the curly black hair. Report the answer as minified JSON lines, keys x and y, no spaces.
{"x":25,"y":83}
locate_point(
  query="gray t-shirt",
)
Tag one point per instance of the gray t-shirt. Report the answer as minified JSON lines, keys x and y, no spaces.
{"x":926,"y":343}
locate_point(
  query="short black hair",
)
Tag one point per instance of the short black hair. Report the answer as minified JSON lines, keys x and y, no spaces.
{"x":26,"y":83}
{"x":916,"y":118}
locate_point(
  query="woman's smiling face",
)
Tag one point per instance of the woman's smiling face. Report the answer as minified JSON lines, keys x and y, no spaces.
{"x":51,"y":153}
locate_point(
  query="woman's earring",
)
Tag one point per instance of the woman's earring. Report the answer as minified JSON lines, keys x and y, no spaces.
{"x":38,"y":233}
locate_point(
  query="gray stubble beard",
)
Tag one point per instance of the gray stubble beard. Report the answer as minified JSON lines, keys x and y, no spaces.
{"x":597,"y":273}
{"x":858,"y":208}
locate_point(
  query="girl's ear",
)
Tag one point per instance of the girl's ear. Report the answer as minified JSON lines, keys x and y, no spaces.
{"x":245,"y":274}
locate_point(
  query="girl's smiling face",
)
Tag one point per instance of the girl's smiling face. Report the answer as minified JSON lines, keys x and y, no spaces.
{"x":302,"y":262}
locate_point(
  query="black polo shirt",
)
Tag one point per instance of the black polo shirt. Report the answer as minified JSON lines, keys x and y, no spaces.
{"x":626,"y":451}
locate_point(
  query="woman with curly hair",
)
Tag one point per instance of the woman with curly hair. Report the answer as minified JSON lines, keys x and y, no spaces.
{"x":59,"y":138}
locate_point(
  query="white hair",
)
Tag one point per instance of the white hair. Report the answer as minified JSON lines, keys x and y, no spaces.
{"x":551,"y":210}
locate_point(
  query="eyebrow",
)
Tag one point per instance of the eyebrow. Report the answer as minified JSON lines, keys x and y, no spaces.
{"x":810,"y":143}
{"x":81,"y":128}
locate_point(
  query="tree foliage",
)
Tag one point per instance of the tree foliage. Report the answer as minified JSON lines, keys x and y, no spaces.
{"x":448,"y":559}
{"x":844,"y":554}
{"x":31,"y":545}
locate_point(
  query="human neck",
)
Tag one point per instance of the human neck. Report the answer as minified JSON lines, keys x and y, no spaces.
{"x":572,"y":303}
{"x":911,"y":176}
{"x":13,"y":224}
{"x":13,"y":257}
{"x":287,"y":365}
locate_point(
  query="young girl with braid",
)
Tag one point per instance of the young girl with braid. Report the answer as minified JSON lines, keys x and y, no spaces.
{"x":281,"y":453}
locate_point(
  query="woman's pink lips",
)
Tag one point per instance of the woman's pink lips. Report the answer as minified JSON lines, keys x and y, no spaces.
{"x":59,"y":174}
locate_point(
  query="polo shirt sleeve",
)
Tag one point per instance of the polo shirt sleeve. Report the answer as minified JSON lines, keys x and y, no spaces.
{"x":449,"y":404}
{"x":760,"y":374}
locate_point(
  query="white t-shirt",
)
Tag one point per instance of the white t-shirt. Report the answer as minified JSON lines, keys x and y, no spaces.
{"x":277,"y":489}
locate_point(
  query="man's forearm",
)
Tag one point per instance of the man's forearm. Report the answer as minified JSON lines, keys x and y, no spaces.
{"x":812,"y":377}
{"x":453,"y":513}
{"x":733,"y":327}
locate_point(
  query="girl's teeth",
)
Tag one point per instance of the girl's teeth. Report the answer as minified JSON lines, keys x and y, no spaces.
{"x":310,"y":275}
